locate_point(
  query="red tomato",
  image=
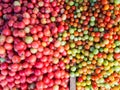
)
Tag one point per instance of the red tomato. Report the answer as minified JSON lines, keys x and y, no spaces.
{"x":8,"y":46}
{"x":80,"y":79}
{"x":28,"y":71}
{"x":46,"y":80}
{"x":106,"y":35}
{"x":6,"y":32}
{"x":16,"y":59}
{"x":57,"y":74}
{"x":31,"y":59}
{"x":40,"y":85}
{"x":117,"y":55}
{"x":39,"y":64}
{"x":37,"y":72}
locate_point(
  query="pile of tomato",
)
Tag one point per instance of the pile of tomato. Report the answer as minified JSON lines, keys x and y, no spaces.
{"x":45,"y":42}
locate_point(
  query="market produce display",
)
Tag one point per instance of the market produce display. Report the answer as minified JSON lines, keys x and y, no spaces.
{"x":45,"y":42}
{"x":30,"y":54}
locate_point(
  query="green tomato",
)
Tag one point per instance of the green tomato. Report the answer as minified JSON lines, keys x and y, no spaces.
{"x":91,"y":55}
{"x":80,"y":47}
{"x":87,"y":88}
{"x":88,"y":82}
{"x":77,"y":74}
{"x":72,"y":74}
{"x":86,"y":37}
{"x":95,"y":51}
{"x":100,"y":60}
{"x":117,"y":68}
{"x":50,"y":39}
{"x":69,"y":52}
{"x":52,"y":19}
{"x":107,"y":86}
{"x":79,"y":30}
{"x":56,"y":87}
{"x":71,"y":37}
{"x":88,"y":77}
{"x":85,"y":32}
{"x":80,"y":1}
{"x":71,"y":3}
{"x":91,"y":38}
{"x":71,"y":30}
{"x":92,"y":18}
{"x":97,"y":45}
{"x":105,"y":63}
{"x":101,"y":49}
{"x":92,"y":23}
{"x":63,"y":43}
{"x":76,"y":4}
{"x":73,"y":68}
{"x":88,"y":62}
{"x":117,"y":43}
{"x":101,"y":29}
{"x":67,"y":66}
{"x":101,"y":80}
{"x":80,"y":65}
{"x":33,"y":50}
{"x":64,"y":34}
{"x":96,"y":29}
{"x":72,"y":45}
{"x":117,"y":50}
{"x":75,"y":39}
{"x":116,"y":1}
{"x":2,"y":60}
{"x":74,"y":50}
{"x":116,"y":63}
{"x":28,"y":39}
{"x":27,"y":29}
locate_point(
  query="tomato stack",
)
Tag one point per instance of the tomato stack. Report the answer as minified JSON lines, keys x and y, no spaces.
{"x":30,"y":54}
{"x":45,"y":42}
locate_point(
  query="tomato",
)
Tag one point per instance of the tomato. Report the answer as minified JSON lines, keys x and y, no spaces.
{"x":117,"y":56}
{"x":21,"y":33}
{"x":16,"y":59}
{"x":57,"y":74}
{"x":8,"y":46}
{"x":31,"y":59}
{"x":80,"y":79}
{"x":6,"y":32}
{"x":2,"y":39}
{"x":40,"y":85}
{"x":44,"y":59}
{"x":2,"y":50}
{"x":28,"y":71}
{"x":39,"y":64}
{"x":44,"y":70}
{"x":33,"y":30}
{"x":46,"y":51}
{"x":106,"y":35}
{"x":9,"y":39}
{"x":46,"y":80}
{"x":37,"y":72}
{"x":58,"y":81}
{"x":20,"y":46}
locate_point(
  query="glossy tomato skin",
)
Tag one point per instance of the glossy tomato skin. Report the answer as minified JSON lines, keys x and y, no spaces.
{"x":117,"y":56}
{"x":40,"y":85}
{"x":6,"y":32}
{"x":16,"y":59}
